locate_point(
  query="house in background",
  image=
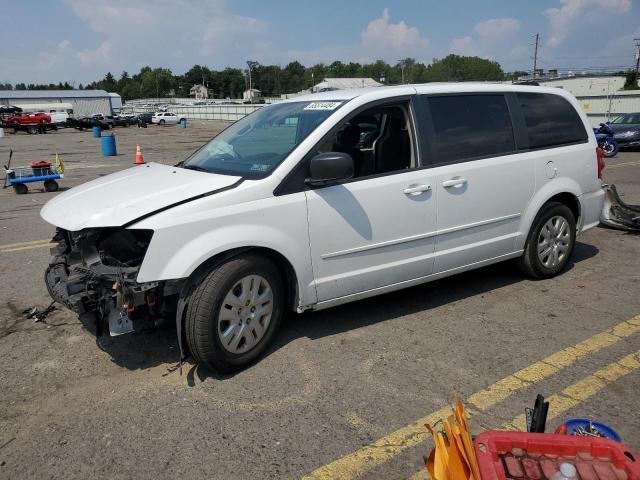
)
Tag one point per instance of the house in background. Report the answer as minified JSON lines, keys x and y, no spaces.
{"x":199,"y":91}
{"x":251,"y":94}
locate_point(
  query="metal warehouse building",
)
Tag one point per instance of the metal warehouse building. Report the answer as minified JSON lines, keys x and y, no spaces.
{"x":80,"y":103}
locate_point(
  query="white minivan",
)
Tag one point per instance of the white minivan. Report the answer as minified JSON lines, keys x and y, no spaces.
{"x":325,"y":199}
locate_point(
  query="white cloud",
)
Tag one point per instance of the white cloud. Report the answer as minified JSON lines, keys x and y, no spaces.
{"x":561,"y":19}
{"x":381,"y":39}
{"x":128,"y":35}
{"x":398,"y":36}
{"x":497,"y":27}
{"x":492,"y":38}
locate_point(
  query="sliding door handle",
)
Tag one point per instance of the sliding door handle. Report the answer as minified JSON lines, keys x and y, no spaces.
{"x":454,"y":182}
{"x":416,"y":189}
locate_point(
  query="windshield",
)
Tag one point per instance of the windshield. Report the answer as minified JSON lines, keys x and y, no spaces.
{"x":256,"y":144}
{"x":627,"y":119}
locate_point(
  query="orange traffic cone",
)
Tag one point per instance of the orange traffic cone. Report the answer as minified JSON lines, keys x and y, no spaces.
{"x":139,"y":157}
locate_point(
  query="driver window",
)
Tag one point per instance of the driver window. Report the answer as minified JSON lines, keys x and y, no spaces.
{"x":379,"y":141}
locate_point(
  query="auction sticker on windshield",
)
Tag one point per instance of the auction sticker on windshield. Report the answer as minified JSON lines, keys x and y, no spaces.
{"x":323,"y":106}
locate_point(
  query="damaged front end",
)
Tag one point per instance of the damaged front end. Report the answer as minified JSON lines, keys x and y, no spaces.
{"x":95,"y":271}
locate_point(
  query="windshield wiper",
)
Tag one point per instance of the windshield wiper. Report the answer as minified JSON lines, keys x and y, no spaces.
{"x":195,"y":167}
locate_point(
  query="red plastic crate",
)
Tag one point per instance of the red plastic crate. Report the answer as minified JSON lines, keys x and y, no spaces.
{"x":537,"y":456}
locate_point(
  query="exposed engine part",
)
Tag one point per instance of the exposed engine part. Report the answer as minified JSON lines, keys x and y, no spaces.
{"x":95,"y":270}
{"x":618,"y":214}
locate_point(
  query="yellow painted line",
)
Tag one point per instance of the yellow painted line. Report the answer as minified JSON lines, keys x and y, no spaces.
{"x":625,"y":164}
{"x":22,"y":244}
{"x":29,"y":247}
{"x":583,"y":389}
{"x":361,"y":461}
{"x":421,"y":474}
{"x":17,"y":247}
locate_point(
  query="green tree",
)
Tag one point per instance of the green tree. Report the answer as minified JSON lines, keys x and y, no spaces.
{"x":631,"y":81}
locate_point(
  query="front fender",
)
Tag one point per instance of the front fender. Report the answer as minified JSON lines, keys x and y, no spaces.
{"x":550,"y":189}
{"x":166,"y":260}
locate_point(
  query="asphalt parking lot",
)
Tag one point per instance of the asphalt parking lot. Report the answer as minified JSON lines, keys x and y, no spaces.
{"x":344,"y":393}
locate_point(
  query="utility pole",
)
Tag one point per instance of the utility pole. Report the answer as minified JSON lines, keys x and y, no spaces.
{"x":251,"y":64}
{"x":535,"y":56}
{"x":637,"y":42}
{"x":402,"y":65}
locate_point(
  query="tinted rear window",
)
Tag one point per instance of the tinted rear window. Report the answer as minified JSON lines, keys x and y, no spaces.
{"x":471,"y":126}
{"x":551,"y":120}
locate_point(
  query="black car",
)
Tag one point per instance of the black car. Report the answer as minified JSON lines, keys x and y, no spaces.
{"x":87,"y":122}
{"x":145,"y":117}
{"x":626,"y":130}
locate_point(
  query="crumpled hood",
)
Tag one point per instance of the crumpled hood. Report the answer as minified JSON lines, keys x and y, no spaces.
{"x":117,"y":199}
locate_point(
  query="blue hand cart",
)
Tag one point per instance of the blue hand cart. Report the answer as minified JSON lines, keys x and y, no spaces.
{"x":44,"y":171}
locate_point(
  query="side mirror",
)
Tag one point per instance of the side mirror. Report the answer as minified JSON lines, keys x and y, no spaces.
{"x":330,"y":167}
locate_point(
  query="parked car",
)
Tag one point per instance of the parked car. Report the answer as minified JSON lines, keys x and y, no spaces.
{"x":124,"y":120}
{"x":169,"y":118}
{"x":146,"y":117}
{"x":87,"y":122}
{"x":626,"y":130}
{"x":287,"y":210}
{"x":28,"y":118}
{"x":105,"y":119}
{"x":59,"y":118}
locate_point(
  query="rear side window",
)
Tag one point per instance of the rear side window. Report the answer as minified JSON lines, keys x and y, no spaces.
{"x":470,"y":126}
{"x":551,"y":120}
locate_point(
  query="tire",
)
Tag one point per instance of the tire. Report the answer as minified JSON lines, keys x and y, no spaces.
{"x":20,"y":188}
{"x":610,"y":149}
{"x":51,"y":186}
{"x":561,"y":240}
{"x":218,"y":335}
{"x":161,"y":122}
{"x":31,"y":129}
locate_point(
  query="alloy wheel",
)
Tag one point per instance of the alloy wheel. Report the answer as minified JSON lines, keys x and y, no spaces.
{"x":245,"y":314}
{"x":553,"y":241}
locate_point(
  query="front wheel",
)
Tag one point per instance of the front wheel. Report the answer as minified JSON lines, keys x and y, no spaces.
{"x":233,"y":314}
{"x":20,"y":188}
{"x":51,"y":186}
{"x":550,"y":242}
{"x":161,"y":122}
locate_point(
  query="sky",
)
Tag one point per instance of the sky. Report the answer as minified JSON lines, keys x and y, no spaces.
{"x":78,"y":41}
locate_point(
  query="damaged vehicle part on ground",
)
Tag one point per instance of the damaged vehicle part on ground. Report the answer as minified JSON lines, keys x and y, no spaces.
{"x":618,"y":214}
{"x":326,"y":199}
{"x":95,"y":270}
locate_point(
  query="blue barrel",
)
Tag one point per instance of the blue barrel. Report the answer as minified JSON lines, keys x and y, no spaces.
{"x":183,"y":123}
{"x":96,"y":132}
{"x":108,"y":145}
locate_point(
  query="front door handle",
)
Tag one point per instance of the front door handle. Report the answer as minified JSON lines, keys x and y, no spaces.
{"x":416,"y":189}
{"x":454,"y":182}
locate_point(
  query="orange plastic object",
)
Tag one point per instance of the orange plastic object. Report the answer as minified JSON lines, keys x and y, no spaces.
{"x":537,"y":456}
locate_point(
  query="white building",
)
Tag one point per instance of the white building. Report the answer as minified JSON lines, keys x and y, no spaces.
{"x":344,"y":84}
{"x":251,"y":94}
{"x":199,"y":91}
{"x":80,"y":103}
{"x":601,"y":96}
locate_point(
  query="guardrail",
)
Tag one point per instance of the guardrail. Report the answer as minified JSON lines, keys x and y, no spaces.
{"x":225,"y":113}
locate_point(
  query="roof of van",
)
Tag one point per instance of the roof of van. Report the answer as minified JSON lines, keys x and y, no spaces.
{"x":435,"y":87}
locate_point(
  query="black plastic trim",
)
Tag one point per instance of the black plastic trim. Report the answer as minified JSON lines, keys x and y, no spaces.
{"x":182,"y":202}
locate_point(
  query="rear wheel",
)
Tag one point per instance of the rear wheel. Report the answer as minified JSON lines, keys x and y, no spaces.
{"x":51,"y":186}
{"x":20,"y":188}
{"x":550,"y":242}
{"x":610,"y":149}
{"x":233,"y":314}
